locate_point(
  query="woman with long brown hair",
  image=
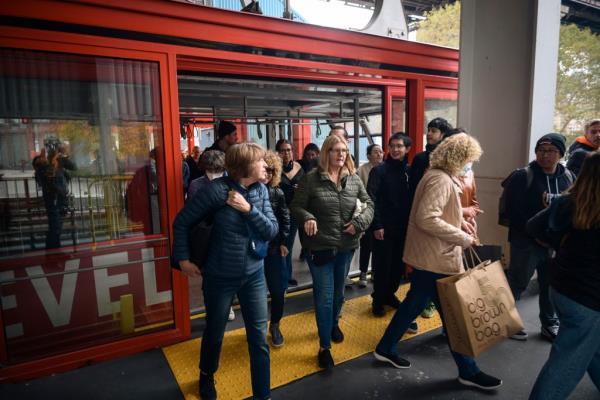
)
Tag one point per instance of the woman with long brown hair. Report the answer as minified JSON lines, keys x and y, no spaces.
{"x":571,"y":226}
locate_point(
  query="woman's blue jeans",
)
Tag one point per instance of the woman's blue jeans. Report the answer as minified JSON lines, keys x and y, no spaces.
{"x":575,"y":350}
{"x":252,"y":294}
{"x":422,"y":291}
{"x":328,"y":292}
{"x":277,"y":282}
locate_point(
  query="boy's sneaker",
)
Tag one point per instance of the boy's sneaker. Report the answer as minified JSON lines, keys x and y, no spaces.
{"x":348,"y":282}
{"x":521,"y":335}
{"x":231,"y":315}
{"x":292,"y":282}
{"x":337,"y":336}
{"x":362,"y":280}
{"x":325,"y":359}
{"x":482,"y":381}
{"x":207,"y":387}
{"x":550,"y":332}
{"x":428,"y":311}
{"x":393,"y":359}
{"x":276,"y":336}
{"x":413,"y":327}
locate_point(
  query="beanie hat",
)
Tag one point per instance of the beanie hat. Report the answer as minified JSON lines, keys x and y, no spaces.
{"x":441,"y":124}
{"x":225,"y":128}
{"x":555,"y":139}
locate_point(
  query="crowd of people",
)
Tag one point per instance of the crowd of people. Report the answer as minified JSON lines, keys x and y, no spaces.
{"x":420,"y":214}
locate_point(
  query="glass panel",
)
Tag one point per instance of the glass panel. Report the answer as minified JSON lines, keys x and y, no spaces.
{"x":80,"y":165}
{"x":398,"y":115}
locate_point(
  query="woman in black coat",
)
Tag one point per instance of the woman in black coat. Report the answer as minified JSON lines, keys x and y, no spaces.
{"x":571,"y":226}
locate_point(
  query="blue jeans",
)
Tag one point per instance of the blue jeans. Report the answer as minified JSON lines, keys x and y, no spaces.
{"x":252,"y":294}
{"x":422,"y":291}
{"x":290,"y":245}
{"x":526,"y":256}
{"x":328,"y":293}
{"x":575,"y":350}
{"x":277,"y":282}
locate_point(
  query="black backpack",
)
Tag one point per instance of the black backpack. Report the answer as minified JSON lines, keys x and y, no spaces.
{"x":502,"y":212}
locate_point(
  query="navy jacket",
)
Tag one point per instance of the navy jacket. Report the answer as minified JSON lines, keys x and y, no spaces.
{"x":389,"y":188}
{"x":229,"y":253}
{"x":574,"y":271}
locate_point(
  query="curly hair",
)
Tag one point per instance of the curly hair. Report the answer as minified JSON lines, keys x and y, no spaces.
{"x":454,"y":153}
{"x":274,"y":163}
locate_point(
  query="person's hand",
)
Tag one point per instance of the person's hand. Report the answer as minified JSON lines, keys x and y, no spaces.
{"x":190,"y":269}
{"x":310,"y":227}
{"x":468,"y":227}
{"x":283,"y":250}
{"x":350,"y":229}
{"x":471,"y":212}
{"x":238,"y":202}
{"x":378,"y":234}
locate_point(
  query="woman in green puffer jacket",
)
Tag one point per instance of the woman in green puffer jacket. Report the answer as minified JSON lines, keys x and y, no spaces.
{"x":333,"y":207}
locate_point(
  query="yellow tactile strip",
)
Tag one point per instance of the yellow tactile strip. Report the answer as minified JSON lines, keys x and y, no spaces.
{"x":296,"y":359}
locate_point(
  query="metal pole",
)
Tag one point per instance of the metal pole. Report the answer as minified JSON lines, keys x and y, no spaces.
{"x":356,"y":131}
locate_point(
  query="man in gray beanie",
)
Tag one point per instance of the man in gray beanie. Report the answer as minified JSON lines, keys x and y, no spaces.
{"x":526,"y":192}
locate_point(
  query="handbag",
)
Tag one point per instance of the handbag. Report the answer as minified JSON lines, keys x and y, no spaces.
{"x":478,"y":307}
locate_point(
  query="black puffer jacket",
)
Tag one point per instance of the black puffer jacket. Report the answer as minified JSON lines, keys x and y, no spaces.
{"x":577,"y":153}
{"x":332,"y":207}
{"x":282,"y":213}
{"x":388,"y":187}
{"x":418,"y":167}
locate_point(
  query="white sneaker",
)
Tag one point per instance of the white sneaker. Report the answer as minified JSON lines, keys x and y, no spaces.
{"x":231,"y":316}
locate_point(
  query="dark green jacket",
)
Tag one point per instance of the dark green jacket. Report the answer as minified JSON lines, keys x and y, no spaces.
{"x":318,"y":198}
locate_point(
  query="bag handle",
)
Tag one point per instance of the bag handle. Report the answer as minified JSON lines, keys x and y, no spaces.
{"x":472,"y":256}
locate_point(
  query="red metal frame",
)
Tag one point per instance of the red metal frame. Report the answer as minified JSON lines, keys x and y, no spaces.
{"x":197,"y":22}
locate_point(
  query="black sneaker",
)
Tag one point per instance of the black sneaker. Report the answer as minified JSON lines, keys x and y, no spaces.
{"x":393,"y":302}
{"x":276,"y":336}
{"x":521,"y":335}
{"x":482,"y":381}
{"x":337,"y":336}
{"x":393,"y":359}
{"x":413,"y":327}
{"x":293,"y":282}
{"x":207,"y":387}
{"x":550,"y":332}
{"x":378,"y":310}
{"x":362,"y":280}
{"x":325,"y":359}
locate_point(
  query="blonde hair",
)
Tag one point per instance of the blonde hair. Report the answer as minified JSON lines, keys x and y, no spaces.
{"x":453,"y":153}
{"x":273,"y":161}
{"x":586,"y":193}
{"x":240,"y":157}
{"x":328,"y":144}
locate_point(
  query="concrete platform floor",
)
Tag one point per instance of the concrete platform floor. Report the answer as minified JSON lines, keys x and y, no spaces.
{"x":432,"y":376}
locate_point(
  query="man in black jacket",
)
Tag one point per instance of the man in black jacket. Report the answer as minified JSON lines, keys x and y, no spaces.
{"x":388,"y":187}
{"x":528,"y":191}
{"x":226,"y":136}
{"x":437,"y":129}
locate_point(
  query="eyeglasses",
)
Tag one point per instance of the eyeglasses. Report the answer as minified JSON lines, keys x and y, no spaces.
{"x":339,"y":151}
{"x":547,"y":151}
{"x":285,"y":150}
{"x":396,"y":146}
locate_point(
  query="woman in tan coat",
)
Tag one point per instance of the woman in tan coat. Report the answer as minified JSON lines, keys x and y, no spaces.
{"x":434,"y":247}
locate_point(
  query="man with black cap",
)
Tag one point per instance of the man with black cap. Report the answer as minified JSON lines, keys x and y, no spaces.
{"x":527,"y":191}
{"x":226,"y":137}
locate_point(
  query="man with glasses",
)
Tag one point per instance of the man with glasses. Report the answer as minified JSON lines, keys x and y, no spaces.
{"x":527,"y":191}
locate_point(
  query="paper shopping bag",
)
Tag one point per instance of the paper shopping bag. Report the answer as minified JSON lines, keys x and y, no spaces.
{"x":479,"y":308}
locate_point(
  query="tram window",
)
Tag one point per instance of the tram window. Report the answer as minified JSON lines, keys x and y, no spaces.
{"x":80,"y":170}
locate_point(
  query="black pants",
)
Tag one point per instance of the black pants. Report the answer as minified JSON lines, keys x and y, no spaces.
{"x":388,"y":267}
{"x":366,"y":245}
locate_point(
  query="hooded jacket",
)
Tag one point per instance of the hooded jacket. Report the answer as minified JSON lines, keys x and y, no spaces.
{"x":523,"y":201}
{"x":577,"y":152}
